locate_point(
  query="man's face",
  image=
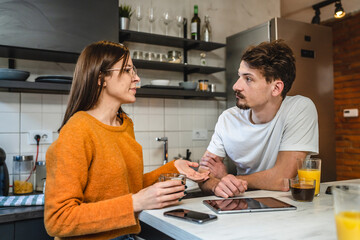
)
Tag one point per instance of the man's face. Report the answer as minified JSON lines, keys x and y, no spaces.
{"x":251,"y":89}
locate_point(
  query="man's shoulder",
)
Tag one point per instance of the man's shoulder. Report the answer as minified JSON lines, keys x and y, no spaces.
{"x":298,"y":100}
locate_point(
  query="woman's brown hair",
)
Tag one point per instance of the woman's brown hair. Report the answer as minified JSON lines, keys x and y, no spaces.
{"x":91,"y":67}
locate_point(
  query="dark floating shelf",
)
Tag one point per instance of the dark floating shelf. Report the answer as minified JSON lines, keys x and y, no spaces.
{"x":157,"y":39}
{"x":37,"y":54}
{"x":176,"y":67}
{"x":63,"y":88}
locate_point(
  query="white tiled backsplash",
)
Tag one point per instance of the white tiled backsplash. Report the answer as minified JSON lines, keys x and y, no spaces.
{"x":153,"y":117}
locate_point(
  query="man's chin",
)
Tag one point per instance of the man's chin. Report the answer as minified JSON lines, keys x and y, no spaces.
{"x":242,"y":106}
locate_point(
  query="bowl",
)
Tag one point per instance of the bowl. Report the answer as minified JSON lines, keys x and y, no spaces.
{"x":188,"y":85}
{"x":160,"y":82}
{"x":13,"y":74}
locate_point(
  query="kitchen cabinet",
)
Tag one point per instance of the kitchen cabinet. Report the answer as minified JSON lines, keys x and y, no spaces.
{"x":124,"y":35}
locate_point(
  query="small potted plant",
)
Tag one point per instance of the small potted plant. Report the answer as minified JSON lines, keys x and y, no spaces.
{"x":124,"y":15}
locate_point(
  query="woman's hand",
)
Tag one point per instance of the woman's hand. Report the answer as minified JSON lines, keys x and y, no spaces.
{"x":159,"y":195}
{"x":184,"y":167}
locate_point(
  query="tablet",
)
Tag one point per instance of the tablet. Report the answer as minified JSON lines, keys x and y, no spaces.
{"x":243,"y":205}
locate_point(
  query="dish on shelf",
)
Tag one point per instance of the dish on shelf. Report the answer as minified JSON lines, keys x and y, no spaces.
{"x":188,"y":85}
{"x":162,"y":87}
{"x":13,"y":74}
{"x":54,"y":79}
{"x":160,"y":82}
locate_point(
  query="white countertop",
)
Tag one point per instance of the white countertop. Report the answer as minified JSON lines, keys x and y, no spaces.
{"x":311,"y":220}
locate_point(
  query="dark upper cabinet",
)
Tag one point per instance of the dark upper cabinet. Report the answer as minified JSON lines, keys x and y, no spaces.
{"x":55,"y":27}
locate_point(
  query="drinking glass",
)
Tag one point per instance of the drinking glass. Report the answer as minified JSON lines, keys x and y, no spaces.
{"x":139,"y":16}
{"x":347,"y":211}
{"x":166,"y":18}
{"x":172,"y":176}
{"x":151,"y":18}
{"x":179,"y":23}
{"x":310,"y":169}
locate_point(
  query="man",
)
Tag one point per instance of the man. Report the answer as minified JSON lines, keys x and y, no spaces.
{"x":267,"y":131}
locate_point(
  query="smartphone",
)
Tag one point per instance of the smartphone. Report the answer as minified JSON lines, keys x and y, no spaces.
{"x":191,"y":216}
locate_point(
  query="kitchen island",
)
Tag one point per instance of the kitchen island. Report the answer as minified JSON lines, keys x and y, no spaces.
{"x":311,"y":220}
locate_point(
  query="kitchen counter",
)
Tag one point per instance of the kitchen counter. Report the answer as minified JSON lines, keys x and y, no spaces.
{"x":311,"y":220}
{"x":12,"y":214}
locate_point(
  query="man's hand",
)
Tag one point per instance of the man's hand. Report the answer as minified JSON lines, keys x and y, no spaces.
{"x":230,"y":186}
{"x":214,"y":164}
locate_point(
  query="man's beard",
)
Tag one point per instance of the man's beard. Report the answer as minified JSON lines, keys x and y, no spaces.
{"x":242,"y":106}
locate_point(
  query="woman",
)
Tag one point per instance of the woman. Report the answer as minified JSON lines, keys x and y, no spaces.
{"x":95,"y":185}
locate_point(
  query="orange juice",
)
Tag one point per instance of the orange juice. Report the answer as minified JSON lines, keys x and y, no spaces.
{"x":348,"y":225}
{"x":311,"y":174}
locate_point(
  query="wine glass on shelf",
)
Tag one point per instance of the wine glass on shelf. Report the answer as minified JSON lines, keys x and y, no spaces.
{"x":138,"y":16}
{"x":179,"y":23}
{"x":167,"y":20}
{"x":151,"y":18}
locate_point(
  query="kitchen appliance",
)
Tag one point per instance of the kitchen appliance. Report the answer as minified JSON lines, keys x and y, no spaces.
{"x":4,"y":175}
{"x":23,"y":174}
{"x":312,"y":46}
{"x":40,"y":176}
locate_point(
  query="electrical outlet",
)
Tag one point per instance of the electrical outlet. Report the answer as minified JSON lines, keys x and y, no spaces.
{"x":46,"y":136}
{"x":199,"y":134}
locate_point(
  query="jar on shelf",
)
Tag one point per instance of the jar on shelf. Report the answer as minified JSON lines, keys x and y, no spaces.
{"x":203,"y":59}
{"x":23,"y":175}
{"x":174,"y":56}
{"x":203,"y":85}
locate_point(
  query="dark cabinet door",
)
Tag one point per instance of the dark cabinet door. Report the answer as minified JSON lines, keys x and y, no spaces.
{"x":32,"y":229}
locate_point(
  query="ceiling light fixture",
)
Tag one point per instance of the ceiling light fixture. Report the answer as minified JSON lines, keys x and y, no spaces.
{"x":339,"y":11}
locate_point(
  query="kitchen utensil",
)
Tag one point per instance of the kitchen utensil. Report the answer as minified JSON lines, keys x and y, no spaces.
{"x":13,"y":74}
{"x":23,"y":182}
{"x":160,"y":82}
{"x":4,"y":175}
{"x":188,"y":85}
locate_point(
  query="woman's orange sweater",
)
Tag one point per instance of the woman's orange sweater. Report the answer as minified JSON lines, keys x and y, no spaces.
{"x":92,"y":171}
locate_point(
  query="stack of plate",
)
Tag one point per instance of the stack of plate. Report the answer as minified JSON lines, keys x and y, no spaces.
{"x":54,"y":79}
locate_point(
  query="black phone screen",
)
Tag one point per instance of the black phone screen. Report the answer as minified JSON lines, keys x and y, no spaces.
{"x":189,"y":215}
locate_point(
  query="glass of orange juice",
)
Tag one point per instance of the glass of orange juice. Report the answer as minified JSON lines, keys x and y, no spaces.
{"x":347,"y":211}
{"x":310,"y":168}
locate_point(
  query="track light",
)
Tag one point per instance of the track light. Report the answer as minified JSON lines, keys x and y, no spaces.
{"x":339,"y":11}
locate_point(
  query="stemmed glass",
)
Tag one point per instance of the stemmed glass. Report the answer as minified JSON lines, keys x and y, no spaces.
{"x":167,"y":20}
{"x":179,"y":23}
{"x":139,"y":16}
{"x":151,"y":18}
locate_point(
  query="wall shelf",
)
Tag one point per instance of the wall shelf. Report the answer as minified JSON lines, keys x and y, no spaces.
{"x":61,"y":88}
{"x":176,"y":67}
{"x":170,"y":41}
{"x":37,"y":54}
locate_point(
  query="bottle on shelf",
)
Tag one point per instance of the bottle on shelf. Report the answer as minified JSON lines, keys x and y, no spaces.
{"x":206,"y":31}
{"x":195,"y":24}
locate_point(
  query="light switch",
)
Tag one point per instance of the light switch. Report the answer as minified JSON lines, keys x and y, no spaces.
{"x":199,"y":134}
{"x":354,"y":112}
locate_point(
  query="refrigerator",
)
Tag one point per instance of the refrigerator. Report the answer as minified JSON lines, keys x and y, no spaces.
{"x":312,"y":46}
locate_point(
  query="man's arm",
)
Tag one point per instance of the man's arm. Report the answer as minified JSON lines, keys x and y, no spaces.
{"x":273,"y":178}
{"x":228,"y":186}
{"x":214,"y":164}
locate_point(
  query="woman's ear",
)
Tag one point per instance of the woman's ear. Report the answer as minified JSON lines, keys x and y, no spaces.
{"x":277,"y":87}
{"x":99,"y":80}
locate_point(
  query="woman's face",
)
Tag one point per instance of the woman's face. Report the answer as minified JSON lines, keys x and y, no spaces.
{"x":122,"y":87}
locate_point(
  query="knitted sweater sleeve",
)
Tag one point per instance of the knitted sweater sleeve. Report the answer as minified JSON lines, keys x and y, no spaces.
{"x":66,"y":213}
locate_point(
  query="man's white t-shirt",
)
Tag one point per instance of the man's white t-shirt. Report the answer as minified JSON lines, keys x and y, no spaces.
{"x":254,"y":147}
